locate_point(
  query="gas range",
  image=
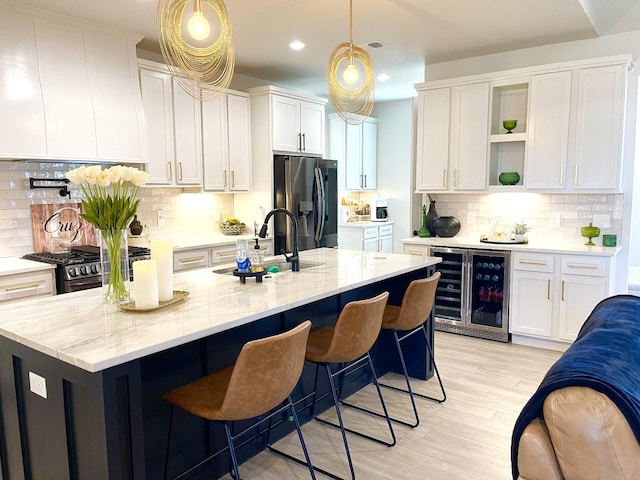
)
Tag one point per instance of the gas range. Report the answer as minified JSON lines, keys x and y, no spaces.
{"x":80,"y":268}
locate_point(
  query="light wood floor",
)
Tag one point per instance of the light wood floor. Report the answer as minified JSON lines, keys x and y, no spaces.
{"x":467,"y":437}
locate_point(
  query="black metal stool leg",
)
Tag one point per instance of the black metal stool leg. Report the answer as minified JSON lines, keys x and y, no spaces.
{"x":336,"y":402}
{"x":435,"y":368}
{"x":232,"y":452}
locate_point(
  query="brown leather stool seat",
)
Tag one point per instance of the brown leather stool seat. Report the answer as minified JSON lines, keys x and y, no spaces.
{"x":263,"y":377}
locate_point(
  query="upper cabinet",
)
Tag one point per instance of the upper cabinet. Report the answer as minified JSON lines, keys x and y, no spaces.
{"x":356,"y":149}
{"x":568,"y":137}
{"x":452,"y":138}
{"x":72,"y":92}
{"x":174,"y":129}
{"x":297,"y":121}
{"x":599,"y":127}
{"x":227,"y":143}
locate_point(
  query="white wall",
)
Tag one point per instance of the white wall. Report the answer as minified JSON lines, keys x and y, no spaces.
{"x":624,"y":43}
{"x":396,"y":151}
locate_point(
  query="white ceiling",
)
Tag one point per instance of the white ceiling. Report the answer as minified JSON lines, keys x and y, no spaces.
{"x":414,"y":32}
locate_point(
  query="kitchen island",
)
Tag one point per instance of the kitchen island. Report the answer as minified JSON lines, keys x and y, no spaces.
{"x":80,"y":381}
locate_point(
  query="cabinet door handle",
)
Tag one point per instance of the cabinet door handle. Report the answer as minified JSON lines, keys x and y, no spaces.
{"x":304,"y":142}
{"x":562,"y":296}
{"x":444,"y":177}
{"x":361,"y":181}
{"x":233,"y":179}
{"x":561,"y":173}
{"x":580,"y":265}
{"x":549,"y":289}
{"x":575,"y":175}
{"x":224,"y":175}
{"x":23,"y":286}
{"x":169,"y":170}
{"x":179,"y":170}
{"x":455,"y":177}
{"x":365,"y":181}
{"x":532,"y":262}
{"x":299,"y":142}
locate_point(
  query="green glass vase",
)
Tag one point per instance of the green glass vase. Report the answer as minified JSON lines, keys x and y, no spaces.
{"x":424,"y":230}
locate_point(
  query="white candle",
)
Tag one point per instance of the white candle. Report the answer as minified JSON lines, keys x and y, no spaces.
{"x":162,"y":253}
{"x":145,"y":283}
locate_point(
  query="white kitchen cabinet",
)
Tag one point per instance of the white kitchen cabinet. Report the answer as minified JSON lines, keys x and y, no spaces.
{"x":200,"y":257}
{"x":71,"y":89}
{"x":19,"y":286}
{"x":552,"y":295}
{"x":599,"y":128}
{"x":366,"y":237}
{"x":356,"y":149}
{"x":174,"y":129}
{"x":298,"y":125}
{"x":227,"y":143}
{"x":548,"y":129}
{"x":452,"y":138}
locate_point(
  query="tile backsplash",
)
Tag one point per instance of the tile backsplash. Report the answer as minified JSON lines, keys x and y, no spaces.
{"x":190,"y":214}
{"x":480,"y":213}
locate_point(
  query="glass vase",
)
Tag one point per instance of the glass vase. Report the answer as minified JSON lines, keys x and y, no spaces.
{"x":114,"y":256}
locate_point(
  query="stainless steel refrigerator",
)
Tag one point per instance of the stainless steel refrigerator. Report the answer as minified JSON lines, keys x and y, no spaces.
{"x":308,"y":188}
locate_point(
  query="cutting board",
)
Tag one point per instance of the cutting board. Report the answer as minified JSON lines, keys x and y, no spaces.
{"x":58,"y":227}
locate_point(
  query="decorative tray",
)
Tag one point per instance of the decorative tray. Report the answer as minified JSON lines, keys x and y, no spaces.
{"x":131,"y":306}
{"x":510,"y":242}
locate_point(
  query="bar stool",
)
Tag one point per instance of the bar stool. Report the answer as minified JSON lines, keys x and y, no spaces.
{"x":407,"y":319}
{"x":263,"y":377}
{"x":347,"y":344}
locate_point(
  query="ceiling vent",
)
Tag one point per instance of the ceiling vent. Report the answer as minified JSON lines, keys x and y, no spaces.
{"x":375,"y":44}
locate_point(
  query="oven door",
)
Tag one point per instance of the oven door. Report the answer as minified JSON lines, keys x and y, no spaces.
{"x":69,"y":286}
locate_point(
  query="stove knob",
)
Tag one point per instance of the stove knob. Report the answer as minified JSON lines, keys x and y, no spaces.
{"x":73,"y":272}
{"x":94,"y":268}
{"x":83,"y":270}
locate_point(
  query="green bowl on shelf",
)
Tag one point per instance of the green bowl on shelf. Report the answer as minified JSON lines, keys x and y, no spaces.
{"x":509,"y":125}
{"x":590,"y":232}
{"x":509,"y":178}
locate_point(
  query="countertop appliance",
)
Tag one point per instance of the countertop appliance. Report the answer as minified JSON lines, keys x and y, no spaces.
{"x":308,"y":188}
{"x":379,"y":212}
{"x":80,"y":268}
{"x":472,"y":297}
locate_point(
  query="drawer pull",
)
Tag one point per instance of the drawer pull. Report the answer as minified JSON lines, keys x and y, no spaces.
{"x":186,"y":261}
{"x":584,"y":266}
{"x":533,"y":262}
{"x":415,"y":253}
{"x":23,"y":286}
{"x":226,"y":254}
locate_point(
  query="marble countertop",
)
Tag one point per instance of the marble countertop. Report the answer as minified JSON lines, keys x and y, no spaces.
{"x":14,"y":265}
{"x":79,"y":329}
{"x":532,"y":246}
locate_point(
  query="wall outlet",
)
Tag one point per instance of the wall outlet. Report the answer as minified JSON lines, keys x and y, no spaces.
{"x":471,"y":218}
{"x":161,"y":218}
{"x":602,"y":221}
{"x":555,"y":220}
{"x":38,"y":384}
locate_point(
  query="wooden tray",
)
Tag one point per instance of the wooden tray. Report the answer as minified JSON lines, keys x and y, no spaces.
{"x":131,"y":306}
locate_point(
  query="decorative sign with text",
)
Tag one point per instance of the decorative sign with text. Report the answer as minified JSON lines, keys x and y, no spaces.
{"x":58,"y":227}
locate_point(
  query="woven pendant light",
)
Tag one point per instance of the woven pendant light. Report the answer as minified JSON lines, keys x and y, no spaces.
{"x":202,"y":66}
{"x":350,"y":79}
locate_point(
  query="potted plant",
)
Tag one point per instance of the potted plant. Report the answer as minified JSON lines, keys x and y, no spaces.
{"x":519,"y":231}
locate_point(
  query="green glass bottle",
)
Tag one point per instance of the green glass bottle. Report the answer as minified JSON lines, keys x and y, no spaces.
{"x":424,"y":231}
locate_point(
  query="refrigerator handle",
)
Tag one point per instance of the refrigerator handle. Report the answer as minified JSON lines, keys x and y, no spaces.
{"x":321,"y":204}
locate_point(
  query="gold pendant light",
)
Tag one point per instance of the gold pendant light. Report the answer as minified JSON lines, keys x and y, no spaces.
{"x":202,"y":66}
{"x":350,"y":79}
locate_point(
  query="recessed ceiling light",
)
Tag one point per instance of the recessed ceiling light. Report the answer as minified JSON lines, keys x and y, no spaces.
{"x":296,"y":45}
{"x":383,"y":77}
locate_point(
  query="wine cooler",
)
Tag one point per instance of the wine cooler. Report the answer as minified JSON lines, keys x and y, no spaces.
{"x":473,"y":292}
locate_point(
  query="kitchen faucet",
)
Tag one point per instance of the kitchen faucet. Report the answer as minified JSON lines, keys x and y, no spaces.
{"x":294,"y":258}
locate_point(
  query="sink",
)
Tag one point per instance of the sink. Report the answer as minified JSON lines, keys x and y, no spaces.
{"x":283,"y":265}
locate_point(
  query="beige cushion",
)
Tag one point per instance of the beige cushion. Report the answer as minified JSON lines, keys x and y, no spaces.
{"x":591,"y":438}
